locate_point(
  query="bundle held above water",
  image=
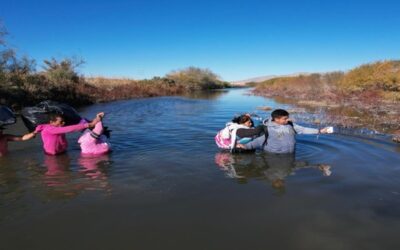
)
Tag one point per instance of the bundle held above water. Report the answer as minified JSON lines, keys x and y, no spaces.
{"x":39,"y":114}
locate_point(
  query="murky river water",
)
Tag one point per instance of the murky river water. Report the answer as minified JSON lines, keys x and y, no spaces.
{"x":167,"y":186}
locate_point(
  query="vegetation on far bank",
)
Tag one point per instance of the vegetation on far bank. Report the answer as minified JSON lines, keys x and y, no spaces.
{"x":21,"y":84}
{"x":368,"y":95}
{"x":374,"y":82}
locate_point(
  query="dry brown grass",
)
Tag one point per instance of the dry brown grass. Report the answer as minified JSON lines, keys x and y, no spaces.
{"x":101,"y":81}
{"x":373,"y":89}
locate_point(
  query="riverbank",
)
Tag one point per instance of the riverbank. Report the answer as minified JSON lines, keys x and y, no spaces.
{"x":367,"y":96}
{"x":19,"y":90}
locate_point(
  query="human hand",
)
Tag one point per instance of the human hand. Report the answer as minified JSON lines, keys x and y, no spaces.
{"x":326,"y":130}
{"x":98,"y":118}
{"x":28,"y":136}
{"x":100,"y":115}
{"x":326,"y":169}
{"x":240,"y":146}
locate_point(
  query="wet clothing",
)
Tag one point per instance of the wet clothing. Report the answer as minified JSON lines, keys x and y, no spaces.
{"x":281,"y":138}
{"x":226,"y":138}
{"x":93,"y":142}
{"x":54,"y":140}
{"x":250,"y":132}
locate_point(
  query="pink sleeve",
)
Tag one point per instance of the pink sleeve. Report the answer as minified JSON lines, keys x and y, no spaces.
{"x":83,"y":121}
{"x":39,"y":128}
{"x":67,"y":129}
{"x":98,"y":129}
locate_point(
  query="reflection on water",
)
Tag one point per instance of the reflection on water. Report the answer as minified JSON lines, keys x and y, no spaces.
{"x":208,"y":95}
{"x":63,"y":182}
{"x":49,"y":179}
{"x":94,"y":166}
{"x":271,"y":168}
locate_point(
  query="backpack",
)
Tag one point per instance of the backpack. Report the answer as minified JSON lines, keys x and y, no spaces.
{"x":226,"y":137}
{"x":223,"y":139}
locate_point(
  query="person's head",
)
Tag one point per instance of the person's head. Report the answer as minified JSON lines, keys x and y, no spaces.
{"x":245,"y":120}
{"x":280,"y":116}
{"x":56,"y":120}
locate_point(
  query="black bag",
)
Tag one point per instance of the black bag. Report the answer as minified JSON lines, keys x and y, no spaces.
{"x":7,"y":117}
{"x":39,"y":114}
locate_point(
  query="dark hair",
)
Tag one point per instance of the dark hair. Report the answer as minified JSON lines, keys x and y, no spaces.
{"x":242,"y":119}
{"x":107,"y":132}
{"x":278,"y":113}
{"x":53,"y":116}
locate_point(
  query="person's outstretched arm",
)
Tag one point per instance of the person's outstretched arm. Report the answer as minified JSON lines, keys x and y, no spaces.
{"x":20,"y":138}
{"x":28,"y":136}
{"x":98,"y":129}
{"x":304,"y":130}
{"x":67,"y":129}
{"x":98,"y":118}
{"x":13,"y":137}
{"x":77,"y":127}
{"x":255,"y":144}
{"x":250,"y":132}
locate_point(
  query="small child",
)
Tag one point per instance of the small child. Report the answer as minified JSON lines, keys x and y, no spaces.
{"x":5,"y":138}
{"x":94,"y":142}
{"x":53,"y":134}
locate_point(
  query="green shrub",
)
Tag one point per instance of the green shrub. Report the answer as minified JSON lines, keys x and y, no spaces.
{"x":195,"y":78}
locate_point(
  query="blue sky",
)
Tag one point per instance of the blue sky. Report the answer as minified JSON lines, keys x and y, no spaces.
{"x":235,"y":39}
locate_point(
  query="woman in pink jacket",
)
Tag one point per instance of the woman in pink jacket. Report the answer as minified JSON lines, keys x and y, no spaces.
{"x":53,"y":134}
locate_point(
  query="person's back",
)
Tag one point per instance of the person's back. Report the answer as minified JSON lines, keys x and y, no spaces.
{"x":94,"y":142}
{"x":281,"y":138}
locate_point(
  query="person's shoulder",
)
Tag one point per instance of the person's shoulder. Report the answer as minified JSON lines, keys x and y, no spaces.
{"x":42,"y":127}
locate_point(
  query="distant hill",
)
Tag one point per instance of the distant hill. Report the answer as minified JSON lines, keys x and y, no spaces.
{"x":264,"y":78}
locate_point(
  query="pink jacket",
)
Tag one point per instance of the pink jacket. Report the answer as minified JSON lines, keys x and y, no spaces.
{"x":54,"y":140}
{"x":94,"y":146}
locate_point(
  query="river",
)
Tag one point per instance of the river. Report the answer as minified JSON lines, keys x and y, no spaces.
{"x":167,"y":186}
